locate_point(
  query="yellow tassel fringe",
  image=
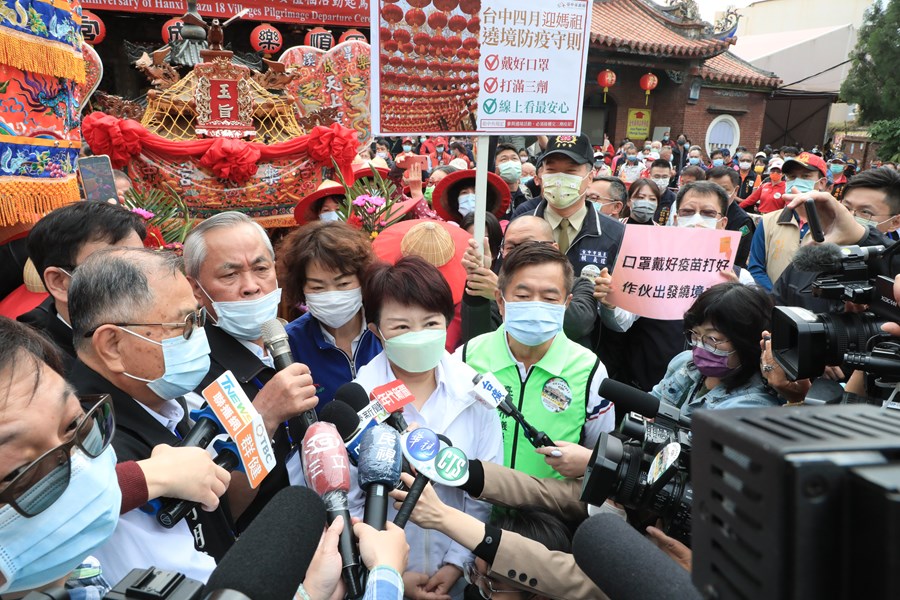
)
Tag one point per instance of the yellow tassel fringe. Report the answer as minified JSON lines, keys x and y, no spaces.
{"x":38,"y":55}
{"x":24,"y":200}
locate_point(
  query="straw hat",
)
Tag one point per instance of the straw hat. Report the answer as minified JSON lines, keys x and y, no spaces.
{"x":440,"y":243}
{"x":362,"y":169}
{"x":303,"y":212}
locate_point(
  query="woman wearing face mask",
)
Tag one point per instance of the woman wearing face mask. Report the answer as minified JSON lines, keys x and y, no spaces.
{"x":322,"y":204}
{"x":408,"y":306}
{"x":721,"y":368}
{"x":322,"y":265}
{"x":454,"y":196}
{"x":643,"y":198}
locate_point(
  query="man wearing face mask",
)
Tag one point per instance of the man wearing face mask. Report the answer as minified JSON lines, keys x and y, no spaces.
{"x":230,"y":265}
{"x":872,"y":201}
{"x":680,"y":153}
{"x":553,"y":380}
{"x":769,"y":196}
{"x":139,"y":337}
{"x":779,"y":232}
{"x":695,"y":158}
{"x":838,"y":167}
{"x":738,"y":219}
{"x":62,"y":240}
{"x":661,"y":174}
{"x":509,"y":168}
{"x":718,"y":158}
{"x":630,"y":170}
{"x":439,"y":156}
{"x":582,"y":233}
{"x":748,"y":176}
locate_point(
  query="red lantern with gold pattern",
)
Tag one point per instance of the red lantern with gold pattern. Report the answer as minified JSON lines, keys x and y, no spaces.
{"x":648,"y":83}
{"x":321,"y":38}
{"x":606,"y":79}
{"x":351,"y":34}
{"x":92,"y":28}
{"x":266,"y":39}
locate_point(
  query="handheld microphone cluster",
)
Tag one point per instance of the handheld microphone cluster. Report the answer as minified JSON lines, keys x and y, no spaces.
{"x":379,"y":471}
{"x":327,"y":470}
{"x":490,"y":392}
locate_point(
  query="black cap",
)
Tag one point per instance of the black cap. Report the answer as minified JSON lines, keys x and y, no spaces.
{"x":576,"y":147}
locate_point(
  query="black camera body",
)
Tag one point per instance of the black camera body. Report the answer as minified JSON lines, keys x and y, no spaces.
{"x":804,"y":343}
{"x":645,"y":466}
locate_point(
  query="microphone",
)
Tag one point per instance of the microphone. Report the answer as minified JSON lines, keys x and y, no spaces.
{"x":270,"y":558}
{"x":327,"y":471}
{"x":379,"y":471}
{"x":590,"y":272}
{"x":348,"y":425}
{"x":490,"y":392}
{"x":831,"y":258}
{"x":276,"y":341}
{"x":392,"y":397}
{"x":620,"y":561}
{"x":629,"y":399}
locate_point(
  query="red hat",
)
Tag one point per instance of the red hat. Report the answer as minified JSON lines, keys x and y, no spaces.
{"x":303,"y":212}
{"x":400,"y":209}
{"x":808,"y":161}
{"x":440,"y":243}
{"x":407,"y":139}
{"x":446,"y":193}
{"x":365,"y":169}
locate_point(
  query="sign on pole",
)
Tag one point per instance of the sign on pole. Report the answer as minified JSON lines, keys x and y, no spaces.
{"x":467,"y":66}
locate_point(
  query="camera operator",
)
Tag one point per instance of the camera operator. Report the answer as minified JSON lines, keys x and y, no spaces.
{"x":869,"y":210}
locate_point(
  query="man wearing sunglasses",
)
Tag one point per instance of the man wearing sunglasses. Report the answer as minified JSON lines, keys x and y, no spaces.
{"x":62,"y":240}
{"x":230,"y":265}
{"x":139,"y":337}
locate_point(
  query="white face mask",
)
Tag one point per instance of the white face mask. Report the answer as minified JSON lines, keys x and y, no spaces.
{"x":698,"y":220}
{"x":466,"y":204}
{"x":562,"y":190}
{"x":335,"y":309}
{"x":243,"y":319}
{"x":745,"y":166}
{"x":662,"y":183}
{"x":331,"y":215}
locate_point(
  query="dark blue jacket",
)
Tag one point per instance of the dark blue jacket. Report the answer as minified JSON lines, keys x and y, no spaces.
{"x":330,"y":366}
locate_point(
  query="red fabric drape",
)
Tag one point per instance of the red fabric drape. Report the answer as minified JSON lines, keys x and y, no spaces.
{"x":123,"y":139}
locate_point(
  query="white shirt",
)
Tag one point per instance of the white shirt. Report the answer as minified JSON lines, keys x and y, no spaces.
{"x":472,"y":427}
{"x":353,"y":345}
{"x":139,"y":541}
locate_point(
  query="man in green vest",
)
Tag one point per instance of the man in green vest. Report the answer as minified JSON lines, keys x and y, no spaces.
{"x":553,"y":380}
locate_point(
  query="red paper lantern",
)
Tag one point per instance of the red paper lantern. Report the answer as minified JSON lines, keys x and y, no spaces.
{"x":392,"y":13}
{"x":470,"y":7}
{"x":351,"y":34}
{"x":415,"y":17}
{"x":454,"y":43}
{"x":648,"y":83}
{"x":402,"y":36}
{"x":474,"y":25}
{"x":446,"y":5}
{"x":437,"y":20}
{"x":266,"y":39}
{"x":457,"y":23}
{"x":470,"y":43}
{"x":321,"y":38}
{"x":171,"y":30}
{"x":390,"y":46}
{"x":418,"y":3}
{"x":606,"y":79}
{"x":92,"y":28}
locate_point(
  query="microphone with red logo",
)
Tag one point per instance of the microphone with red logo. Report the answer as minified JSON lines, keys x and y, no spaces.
{"x":327,"y":470}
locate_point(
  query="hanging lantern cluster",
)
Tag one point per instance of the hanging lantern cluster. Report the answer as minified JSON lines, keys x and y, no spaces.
{"x":266,"y":39}
{"x":606,"y":79}
{"x":93,"y":29}
{"x":429,"y":61}
{"x":171,"y":30}
{"x":351,"y":34}
{"x":320,"y":38}
{"x":648,"y":83}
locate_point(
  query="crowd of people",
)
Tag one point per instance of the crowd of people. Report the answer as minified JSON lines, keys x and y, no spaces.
{"x":128,"y":338}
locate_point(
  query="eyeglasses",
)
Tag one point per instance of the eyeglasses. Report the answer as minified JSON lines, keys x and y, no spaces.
{"x":191,"y":322}
{"x":709,"y":342}
{"x":864,"y":213}
{"x":508,"y":247}
{"x":484,"y":583}
{"x":42,"y":482}
{"x":709,"y":214}
{"x":599,"y":199}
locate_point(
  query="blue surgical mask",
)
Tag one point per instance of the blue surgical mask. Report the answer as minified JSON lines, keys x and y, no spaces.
{"x":416,"y":351}
{"x":837,"y":169}
{"x":803,"y":186}
{"x":243,"y":319}
{"x":510,"y":171}
{"x":533,"y":323}
{"x":466,"y":204}
{"x":186,"y":364}
{"x":631,"y":158}
{"x":526,"y":180}
{"x":331,"y":215}
{"x":718,"y":162}
{"x":687,"y":146}
{"x":694,"y":160}
{"x":38,"y":550}
{"x":439,"y":149}
{"x":407,"y":148}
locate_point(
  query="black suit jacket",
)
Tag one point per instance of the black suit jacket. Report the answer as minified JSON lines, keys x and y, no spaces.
{"x":228,"y":354}
{"x":137,"y":433}
{"x":45,"y":319}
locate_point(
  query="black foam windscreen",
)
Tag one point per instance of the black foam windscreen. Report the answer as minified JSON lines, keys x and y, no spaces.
{"x":342,"y":416}
{"x":817,"y":258}
{"x":626,"y":565}
{"x":270,"y":558}
{"x":628,"y":399}
{"x":353,"y":394}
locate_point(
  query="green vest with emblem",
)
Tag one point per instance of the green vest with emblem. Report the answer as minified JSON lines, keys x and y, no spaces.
{"x":553,"y":397}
